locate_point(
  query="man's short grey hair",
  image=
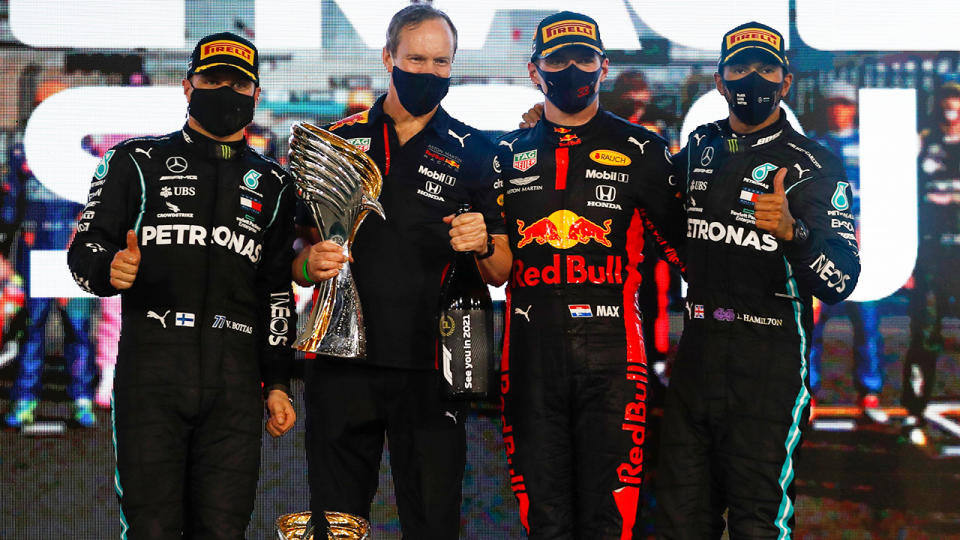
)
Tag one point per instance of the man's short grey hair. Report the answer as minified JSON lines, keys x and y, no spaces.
{"x":412,"y":16}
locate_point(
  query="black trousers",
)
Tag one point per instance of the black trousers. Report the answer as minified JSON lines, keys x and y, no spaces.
{"x":188,"y":454}
{"x":935,"y":294}
{"x":733,"y":423}
{"x":350,"y":408}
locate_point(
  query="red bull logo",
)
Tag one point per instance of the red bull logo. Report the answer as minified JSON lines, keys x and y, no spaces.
{"x":360,"y":117}
{"x":570,"y":139}
{"x":571,"y":269}
{"x":563,"y":229}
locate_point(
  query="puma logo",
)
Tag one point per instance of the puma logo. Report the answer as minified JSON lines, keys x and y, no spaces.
{"x":698,"y":138}
{"x":526,"y":314}
{"x":638,"y":143}
{"x":163,"y":319}
{"x":279,"y":176}
{"x":509,"y":144}
{"x":451,"y":415}
{"x":142,"y":151}
{"x":459,"y":138}
{"x":800,"y":170}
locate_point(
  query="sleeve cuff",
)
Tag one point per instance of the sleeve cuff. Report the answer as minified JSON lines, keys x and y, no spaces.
{"x":285,"y":388}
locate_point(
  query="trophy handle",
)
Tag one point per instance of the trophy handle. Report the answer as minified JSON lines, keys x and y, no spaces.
{"x":374,"y":205}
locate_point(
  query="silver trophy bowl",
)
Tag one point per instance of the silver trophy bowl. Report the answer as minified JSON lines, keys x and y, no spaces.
{"x":340,"y":185}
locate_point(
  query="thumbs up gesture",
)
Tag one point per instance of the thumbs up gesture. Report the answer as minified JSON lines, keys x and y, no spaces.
{"x":123,"y":268}
{"x":773,"y":212}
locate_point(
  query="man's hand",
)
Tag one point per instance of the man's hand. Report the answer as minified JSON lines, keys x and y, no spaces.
{"x":325,"y":260}
{"x":773,"y":212}
{"x":531,"y":117}
{"x":123,"y":268}
{"x":468,"y":232}
{"x":282,"y":415}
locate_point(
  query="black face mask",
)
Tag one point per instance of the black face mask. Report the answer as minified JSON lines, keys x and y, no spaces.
{"x":221,"y":111}
{"x":753,"y":98}
{"x":571,"y":89}
{"x":419,"y":93}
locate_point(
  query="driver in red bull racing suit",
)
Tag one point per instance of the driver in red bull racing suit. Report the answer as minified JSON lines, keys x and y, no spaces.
{"x":768,"y":215}
{"x":575,"y":189}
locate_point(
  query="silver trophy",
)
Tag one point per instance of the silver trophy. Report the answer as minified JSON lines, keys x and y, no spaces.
{"x":340,"y":185}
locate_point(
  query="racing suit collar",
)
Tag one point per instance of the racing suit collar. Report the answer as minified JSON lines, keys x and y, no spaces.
{"x":758,"y":139}
{"x":440,"y":122}
{"x":203,"y":145}
{"x":557,"y":135}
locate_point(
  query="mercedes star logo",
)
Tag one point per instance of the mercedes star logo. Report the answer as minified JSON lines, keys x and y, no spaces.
{"x":176,"y":164}
{"x":707,"y":156}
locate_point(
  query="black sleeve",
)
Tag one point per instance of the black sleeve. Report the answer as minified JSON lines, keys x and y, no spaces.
{"x":681,"y":167}
{"x":275,"y":287}
{"x":485,"y":198}
{"x":661,"y":202}
{"x":827,"y":262}
{"x":113,"y":206}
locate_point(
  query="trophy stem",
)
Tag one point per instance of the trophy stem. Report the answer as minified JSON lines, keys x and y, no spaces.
{"x":342,"y":335}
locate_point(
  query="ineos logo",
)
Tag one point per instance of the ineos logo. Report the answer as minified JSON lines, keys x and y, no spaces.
{"x":176,"y":164}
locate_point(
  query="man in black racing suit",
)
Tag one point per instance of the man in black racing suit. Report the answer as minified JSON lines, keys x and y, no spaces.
{"x":767,"y":210}
{"x":195,"y":230}
{"x":935,"y":284}
{"x":576,"y":189}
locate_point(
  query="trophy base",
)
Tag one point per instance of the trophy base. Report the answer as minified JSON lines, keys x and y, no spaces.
{"x":342,"y":526}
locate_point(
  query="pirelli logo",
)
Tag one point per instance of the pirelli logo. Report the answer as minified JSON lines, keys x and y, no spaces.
{"x":569,"y":28}
{"x":753,"y":34}
{"x":231,"y":48}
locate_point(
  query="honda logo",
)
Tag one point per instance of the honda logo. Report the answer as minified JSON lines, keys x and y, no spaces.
{"x":606,"y":193}
{"x":433,"y":188}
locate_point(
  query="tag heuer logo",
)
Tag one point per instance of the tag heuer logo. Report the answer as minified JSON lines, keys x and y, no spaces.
{"x":251,"y":179}
{"x":362,"y":143}
{"x":524,"y":160}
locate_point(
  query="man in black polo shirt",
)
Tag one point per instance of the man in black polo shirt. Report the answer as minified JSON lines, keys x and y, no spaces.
{"x":430,"y":163}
